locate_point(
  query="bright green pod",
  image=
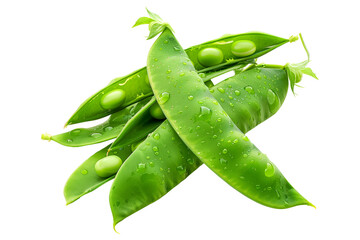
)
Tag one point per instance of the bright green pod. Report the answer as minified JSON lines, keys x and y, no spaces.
{"x":85,"y":179}
{"x":209,"y":57}
{"x":158,"y":155}
{"x":136,"y":85}
{"x":243,"y":48}
{"x":108,"y":166}
{"x":230,"y":155}
{"x":105,"y":131}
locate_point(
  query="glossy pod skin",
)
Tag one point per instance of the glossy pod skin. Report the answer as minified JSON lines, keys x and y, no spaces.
{"x":136,"y":85}
{"x":145,"y":176}
{"x":209,"y":132}
{"x":108,"y":130}
{"x":85,"y":179}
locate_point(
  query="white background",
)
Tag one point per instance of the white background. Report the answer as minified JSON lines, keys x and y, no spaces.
{"x":55,"y":54}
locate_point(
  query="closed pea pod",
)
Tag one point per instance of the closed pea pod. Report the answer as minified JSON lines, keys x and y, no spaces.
{"x":136,"y":87}
{"x":236,"y":161}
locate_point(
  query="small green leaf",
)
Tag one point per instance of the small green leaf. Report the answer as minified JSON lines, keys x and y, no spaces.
{"x":308,"y":71}
{"x":155,"y":29}
{"x":143,"y":20}
{"x":154,"y":16}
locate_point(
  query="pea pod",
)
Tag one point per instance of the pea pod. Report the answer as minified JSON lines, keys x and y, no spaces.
{"x":85,"y":179}
{"x":230,"y":155}
{"x":145,"y":176}
{"x":135,"y":86}
{"x":108,"y":130}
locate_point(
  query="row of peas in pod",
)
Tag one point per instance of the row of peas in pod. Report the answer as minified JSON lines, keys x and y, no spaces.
{"x":168,"y":118}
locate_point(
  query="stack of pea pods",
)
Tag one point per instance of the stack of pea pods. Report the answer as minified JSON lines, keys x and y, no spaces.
{"x":168,"y":118}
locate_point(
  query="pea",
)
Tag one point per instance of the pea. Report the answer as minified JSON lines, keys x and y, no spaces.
{"x":156,"y":112}
{"x":243,"y":48}
{"x":108,"y":166}
{"x":113,"y":99}
{"x":210,"y":57}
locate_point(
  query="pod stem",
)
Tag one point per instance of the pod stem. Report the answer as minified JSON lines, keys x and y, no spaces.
{"x":46,"y":136}
{"x":156,"y":24}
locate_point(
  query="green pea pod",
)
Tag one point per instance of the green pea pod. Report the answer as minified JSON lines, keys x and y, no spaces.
{"x":145,"y":176}
{"x":84,"y":179}
{"x":100,"y":133}
{"x":230,"y":155}
{"x":137,"y":128}
{"x":135,"y":86}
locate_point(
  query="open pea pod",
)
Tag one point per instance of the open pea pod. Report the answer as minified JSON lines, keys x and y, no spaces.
{"x":105,"y":131}
{"x":131,"y":88}
{"x":85,"y":179}
{"x":162,"y":161}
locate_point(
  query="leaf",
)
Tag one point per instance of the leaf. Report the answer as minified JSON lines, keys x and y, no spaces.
{"x":308,"y":71}
{"x":154,"y":16}
{"x":143,"y":20}
{"x":155,"y":29}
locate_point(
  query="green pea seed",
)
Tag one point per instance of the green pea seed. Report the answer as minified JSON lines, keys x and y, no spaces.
{"x":113,"y":99}
{"x":243,"y":48}
{"x":108,"y":166}
{"x":156,"y":112}
{"x":210,"y":57}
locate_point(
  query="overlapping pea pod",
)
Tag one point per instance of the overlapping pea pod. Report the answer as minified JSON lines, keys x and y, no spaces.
{"x":124,"y":91}
{"x":242,"y":108}
{"x":207,"y":130}
{"x":162,"y":161}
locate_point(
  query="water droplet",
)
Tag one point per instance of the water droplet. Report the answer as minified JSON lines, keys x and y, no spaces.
{"x":221,"y":90}
{"x":204,"y":111}
{"x":84,"y":172}
{"x":258,"y":77}
{"x":236,"y":140}
{"x":224,"y":151}
{"x":215,"y":102}
{"x":237,"y":92}
{"x":151,"y":164}
{"x":190,"y":97}
{"x":271,"y":97}
{"x":269,"y":188}
{"x":164,"y":97}
{"x":245,"y":155}
{"x":257,"y":187}
{"x":181,"y":74}
{"x":156,"y":59}
{"x":156,"y":153}
{"x":249,"y":89}
{"x":214,"y":136}
{"x":69,"y":140}
{"x":186,"y":63}
{"x":107,"y":129}
{"x":229,"y":86}
{"x":168,"y":71}
{"x":230,"y":97}
{"x":270,"y":170}
{"x":231,"y":104}
{"x":141,"y":167}
{"x":197,"y":127}
{"x":219,"y":119}
{"x":147,"y":157}
{"x":75,"y":132}
{"x":202,"y":75}
{"x":180,"y":169}
{"x":156,"y":136}
{"x":222,"y":100}
{"x":223,"y":161}
{"x":96,"y":135}
{"x":166,"y":41}
{"x":245,"y":138}
{"x":211,"y":90}
{"x":176,"y":48}
{"x":155,"y":149}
